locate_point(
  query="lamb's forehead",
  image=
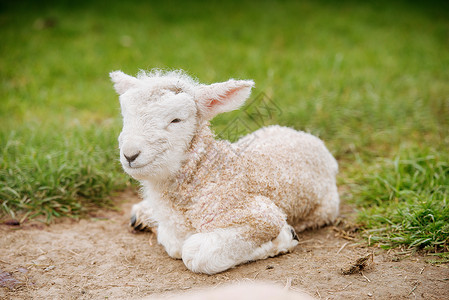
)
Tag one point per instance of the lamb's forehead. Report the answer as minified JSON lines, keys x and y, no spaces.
{"x":158,"y":89}
{"x":156,"y":93}
{"x":176,"y":81}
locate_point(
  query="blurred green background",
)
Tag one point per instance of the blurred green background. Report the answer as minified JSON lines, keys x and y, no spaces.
{"x":370,"y":78}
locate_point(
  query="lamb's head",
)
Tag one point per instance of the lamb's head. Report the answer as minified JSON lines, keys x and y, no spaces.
{"x":162,"y":113}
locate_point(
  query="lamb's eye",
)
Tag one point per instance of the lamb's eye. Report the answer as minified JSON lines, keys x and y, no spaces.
{"x":175,"y":121}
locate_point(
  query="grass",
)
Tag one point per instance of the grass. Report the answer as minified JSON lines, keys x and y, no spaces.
{"x":370,"y":78}
{"x":404,"y":201}
{"x":48,"y":175}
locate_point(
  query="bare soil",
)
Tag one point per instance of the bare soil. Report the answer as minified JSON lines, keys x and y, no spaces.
{"x":101,"y":257}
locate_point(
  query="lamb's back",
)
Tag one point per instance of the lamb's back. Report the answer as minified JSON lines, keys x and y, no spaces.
{"x":291,"y":167}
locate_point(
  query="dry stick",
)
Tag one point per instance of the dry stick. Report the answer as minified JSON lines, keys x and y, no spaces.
{"x":365,"y":276}
{"x":116,"y":285}
{"x":255,"y":276}
{"x":346,"y":286}
{"x":422,"y":270}
{"x":82,"y":275}
{"x":71,"y":251}
{"x":414,"y":288}
{"x":342,"y":247}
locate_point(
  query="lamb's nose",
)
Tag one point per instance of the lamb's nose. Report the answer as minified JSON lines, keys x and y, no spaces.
{"x":131,"y":158}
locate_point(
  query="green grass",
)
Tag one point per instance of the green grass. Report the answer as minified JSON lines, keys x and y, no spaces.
{"x":370,"y":78}
{"x":405,"y":200}
{"x":49,"y":174}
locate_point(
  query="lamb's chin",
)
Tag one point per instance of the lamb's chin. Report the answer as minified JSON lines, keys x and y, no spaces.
{"x":139,"y":173}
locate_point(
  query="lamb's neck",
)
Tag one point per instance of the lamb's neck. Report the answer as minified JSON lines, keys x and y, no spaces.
{"x":201,"y":146}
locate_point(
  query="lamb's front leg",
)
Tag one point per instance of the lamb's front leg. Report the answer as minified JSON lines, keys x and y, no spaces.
{"x":169,"y":233}
{"x":257,"y":231}
{"x":142,"y":216}
{"x":221,"y":249}
{"x":172,"y":236}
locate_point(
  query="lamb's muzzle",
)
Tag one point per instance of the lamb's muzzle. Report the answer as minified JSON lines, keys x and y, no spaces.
{"x":215,"y":204}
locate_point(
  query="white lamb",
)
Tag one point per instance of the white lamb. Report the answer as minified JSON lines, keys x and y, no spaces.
{"x":216,"y":204}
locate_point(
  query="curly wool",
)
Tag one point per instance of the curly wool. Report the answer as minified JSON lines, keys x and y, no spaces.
{"x":285,"y":168}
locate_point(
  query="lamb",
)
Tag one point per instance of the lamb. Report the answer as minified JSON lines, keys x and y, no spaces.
{"x":217,"y":204}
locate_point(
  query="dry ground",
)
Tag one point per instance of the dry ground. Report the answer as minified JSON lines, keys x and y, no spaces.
{"x":101,"y":257}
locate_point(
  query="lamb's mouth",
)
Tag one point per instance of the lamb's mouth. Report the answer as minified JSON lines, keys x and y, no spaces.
{"x":129,"y":166}
{"x":137,"y":167}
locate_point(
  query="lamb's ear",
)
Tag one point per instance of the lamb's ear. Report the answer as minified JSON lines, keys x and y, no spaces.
{"x":122,"y":82}
{"x":222,"y":97}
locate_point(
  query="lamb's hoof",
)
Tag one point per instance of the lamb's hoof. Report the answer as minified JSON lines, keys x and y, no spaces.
{"x":133,"y":221}
{"x":138,"y":226}
{"x":295,"y":236}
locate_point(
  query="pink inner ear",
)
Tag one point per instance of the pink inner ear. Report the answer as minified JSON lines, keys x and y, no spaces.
{"x":224,"y":96}
{"x":213,"y":102}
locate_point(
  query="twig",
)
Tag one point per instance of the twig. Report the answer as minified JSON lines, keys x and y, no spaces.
{"x":414,"y":288}
{"x":342,"y":247}
{"x":255,"y":276}
{"x":422,"y":270}
{"x":82,"y":275}
{"x":116,"y":285}
{"x":346,"y":286}
{"x":71,"y":251}
{"x":365,"y":276}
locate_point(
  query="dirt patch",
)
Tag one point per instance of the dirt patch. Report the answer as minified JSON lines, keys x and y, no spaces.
{"x":101,"y":257}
